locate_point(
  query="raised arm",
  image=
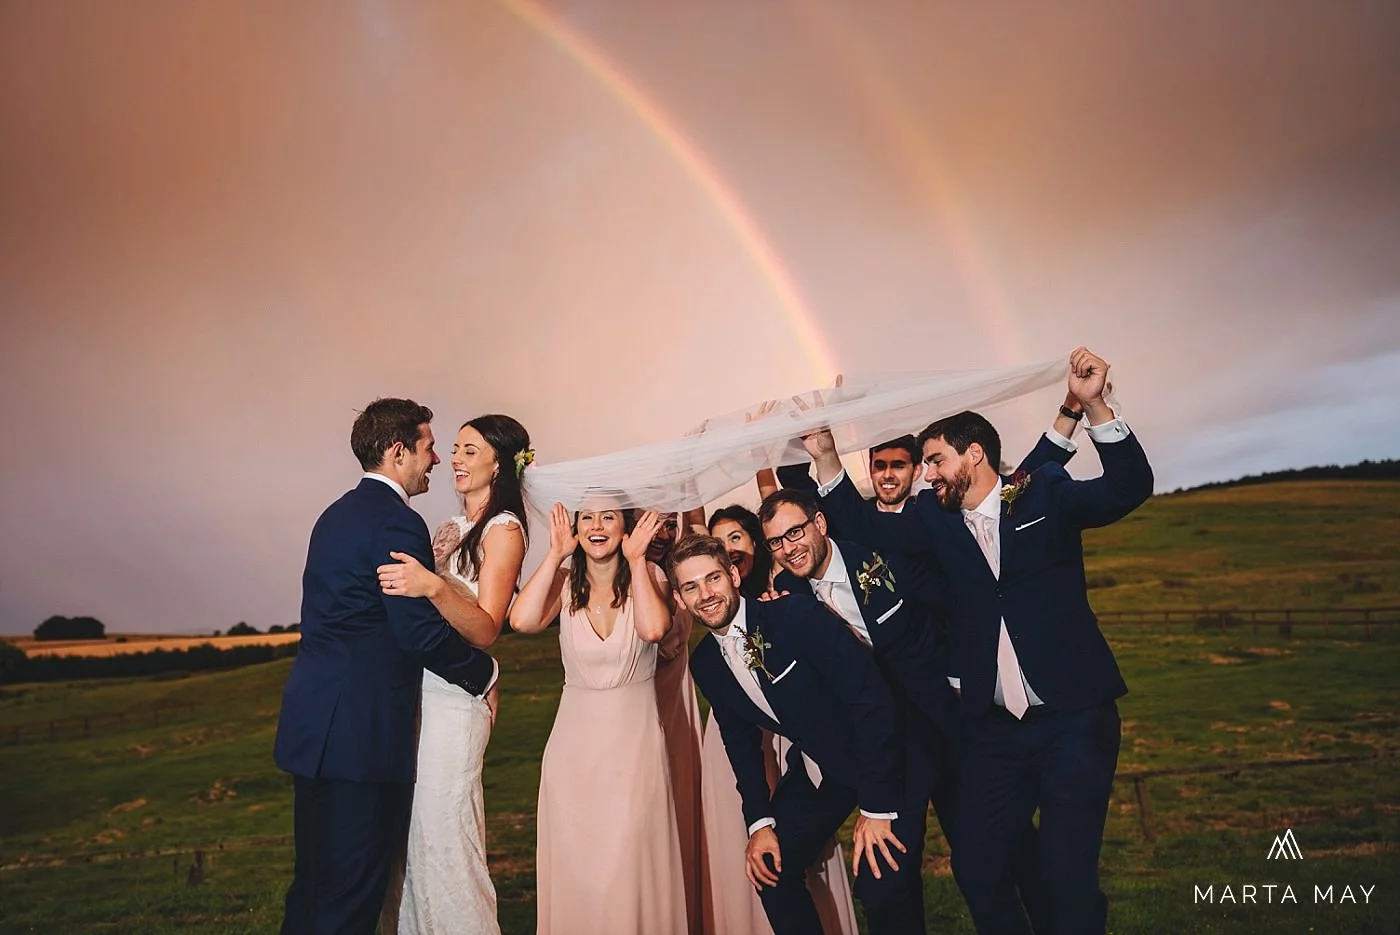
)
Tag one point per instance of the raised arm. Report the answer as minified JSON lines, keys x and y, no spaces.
{"x":540,"y":601}
{"x":1127,"y":478}
{"x":651,"y":594}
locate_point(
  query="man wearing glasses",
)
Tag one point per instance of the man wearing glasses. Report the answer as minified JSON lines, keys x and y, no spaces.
{"x":885,"y":602}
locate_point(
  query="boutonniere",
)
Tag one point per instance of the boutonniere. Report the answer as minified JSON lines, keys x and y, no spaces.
{"x":1015,"y":485}
{"x":753,"y":653}
{"x":874,"y":574}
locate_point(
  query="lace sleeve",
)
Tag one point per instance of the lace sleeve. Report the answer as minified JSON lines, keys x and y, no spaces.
{"x":445,"y":542}
{"x":508,"y":520}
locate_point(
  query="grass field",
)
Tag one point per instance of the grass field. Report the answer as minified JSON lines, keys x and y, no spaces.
{"x":100,"y":834}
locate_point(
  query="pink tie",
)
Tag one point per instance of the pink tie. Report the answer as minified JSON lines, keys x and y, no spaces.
{"x":823,"y":589}
{"x":1013,"y":691}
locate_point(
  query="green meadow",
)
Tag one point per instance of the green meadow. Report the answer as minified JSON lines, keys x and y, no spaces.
{"x":186,"y":826}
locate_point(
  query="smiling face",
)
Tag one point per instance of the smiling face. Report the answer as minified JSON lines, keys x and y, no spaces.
{"x":600,"y":532}
{"x":808,"y":555}
{"x":892,"y":473}
{"x":949,"y":474}
{"x":474,"y":463}
{"x":660,"y":545}
{"x":708,"y":590}
{"x":412,"y":467}
{"x":738,"y":543}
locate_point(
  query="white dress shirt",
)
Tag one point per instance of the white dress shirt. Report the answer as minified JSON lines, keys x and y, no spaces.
{"x":843,"y":595}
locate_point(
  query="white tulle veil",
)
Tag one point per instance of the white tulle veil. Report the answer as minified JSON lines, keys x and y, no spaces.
{"x":725,"y":451}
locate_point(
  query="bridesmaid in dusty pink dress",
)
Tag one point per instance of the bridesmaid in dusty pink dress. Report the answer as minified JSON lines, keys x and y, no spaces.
{"x":679,"y":707}
{"x":608,"y":857}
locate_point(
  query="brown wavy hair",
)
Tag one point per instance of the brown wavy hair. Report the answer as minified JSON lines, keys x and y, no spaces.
{"x":579,"y":590}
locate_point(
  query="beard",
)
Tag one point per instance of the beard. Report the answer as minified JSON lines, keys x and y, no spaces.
{"x":950,"y":496}
{"x":724,"y":613}
{"x":889,"y":498}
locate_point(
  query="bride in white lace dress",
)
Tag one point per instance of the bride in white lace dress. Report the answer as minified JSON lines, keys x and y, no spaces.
{"x":447,"y":887}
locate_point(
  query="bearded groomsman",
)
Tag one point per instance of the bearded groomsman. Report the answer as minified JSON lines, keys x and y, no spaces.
{"x":1037,"y":679}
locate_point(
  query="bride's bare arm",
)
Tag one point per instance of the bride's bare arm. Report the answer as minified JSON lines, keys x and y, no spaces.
{"x":480,"y":620}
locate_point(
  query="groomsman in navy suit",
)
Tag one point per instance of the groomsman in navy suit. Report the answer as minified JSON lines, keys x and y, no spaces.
{"x":346,"y":732}
{"x":1038,"y":681}
{"x":884,"y":603}
{"x":894,"y":464}
{"x":789,"y":666}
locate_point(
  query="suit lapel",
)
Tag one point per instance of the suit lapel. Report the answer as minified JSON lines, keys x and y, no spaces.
{"x":974,"y":562}
{"x":738,"y":697}
{"x":881,"y":598}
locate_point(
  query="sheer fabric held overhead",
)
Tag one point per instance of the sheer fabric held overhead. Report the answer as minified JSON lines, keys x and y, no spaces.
{"x":724,"y":452}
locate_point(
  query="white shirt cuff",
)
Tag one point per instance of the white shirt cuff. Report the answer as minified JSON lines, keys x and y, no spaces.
{"x":888,"y":816}
{"x":956,"y":682}
{"x":1068,"y":444}
{"x":762,"y":823}
{"x":495,"y":674}
{"x":829,"y":486}
{"x":1108,"y":432}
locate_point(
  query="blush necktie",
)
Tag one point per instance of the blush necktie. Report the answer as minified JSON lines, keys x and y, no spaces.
{"x":1013,"y":690}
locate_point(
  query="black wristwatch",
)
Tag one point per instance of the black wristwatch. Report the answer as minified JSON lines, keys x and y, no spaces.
{"x":1069,"y":413}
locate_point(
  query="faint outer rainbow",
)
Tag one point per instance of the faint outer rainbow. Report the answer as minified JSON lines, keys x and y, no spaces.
{"x":693,"y":161}
{"x":915,"y":146}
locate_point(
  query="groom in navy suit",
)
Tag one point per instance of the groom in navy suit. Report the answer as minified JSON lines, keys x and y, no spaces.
{"x":346,"y":732}
{"x":791,"y":667}
{"x":1037,"y":679}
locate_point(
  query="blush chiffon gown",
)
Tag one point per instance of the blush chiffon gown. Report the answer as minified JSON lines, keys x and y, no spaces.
{"x":609,"y":854}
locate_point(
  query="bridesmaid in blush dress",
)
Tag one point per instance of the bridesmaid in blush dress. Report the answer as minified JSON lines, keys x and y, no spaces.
{"x":679,"y":707}
{"x":608,"y":857}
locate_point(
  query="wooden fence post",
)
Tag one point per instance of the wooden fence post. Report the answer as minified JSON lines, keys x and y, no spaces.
{"x":1144,"y":808}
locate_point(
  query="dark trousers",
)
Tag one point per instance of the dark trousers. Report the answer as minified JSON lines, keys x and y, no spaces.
{"x":1061,"y":763}
{"x":346,"y":837}
{"x":1025,"y":880}
{"x":807,"y":817}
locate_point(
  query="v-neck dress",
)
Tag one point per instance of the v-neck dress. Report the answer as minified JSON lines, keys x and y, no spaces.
{"x":608,"y":856}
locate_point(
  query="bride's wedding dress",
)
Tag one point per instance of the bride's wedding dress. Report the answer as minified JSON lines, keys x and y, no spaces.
{"x":447,"y":889}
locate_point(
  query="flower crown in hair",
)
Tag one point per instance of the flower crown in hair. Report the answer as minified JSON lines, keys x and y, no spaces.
{"x":523,"y":457}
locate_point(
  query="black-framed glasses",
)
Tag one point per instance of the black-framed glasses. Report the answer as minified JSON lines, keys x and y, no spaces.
{"x":794,"y":534}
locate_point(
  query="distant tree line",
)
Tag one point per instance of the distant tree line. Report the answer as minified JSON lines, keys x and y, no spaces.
{"x":1388,"y":469}
{"x":70,"y":628}
{"x":17,"y":666}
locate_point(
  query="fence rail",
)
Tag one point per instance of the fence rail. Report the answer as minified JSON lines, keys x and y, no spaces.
{"x":1285,"y":619}
{"x":69,"y":728}
{"x":1229,"y":770}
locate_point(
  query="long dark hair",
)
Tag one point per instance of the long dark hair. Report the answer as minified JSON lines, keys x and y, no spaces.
{"x":507,"y":438}
{"x":579,"y":590}
{"x":757,"y":581}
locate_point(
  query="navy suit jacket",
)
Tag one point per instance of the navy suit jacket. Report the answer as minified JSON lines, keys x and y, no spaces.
{"x":910,"y":646}
{"x":829,"y":696}
{"x":1041,"y":593}
{"x":349,"y":706}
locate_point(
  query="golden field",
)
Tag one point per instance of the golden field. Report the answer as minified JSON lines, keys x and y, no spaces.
{"x":143,"y":643}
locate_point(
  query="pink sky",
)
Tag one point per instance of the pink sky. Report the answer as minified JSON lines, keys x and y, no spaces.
{"x":228,"y":225}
